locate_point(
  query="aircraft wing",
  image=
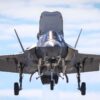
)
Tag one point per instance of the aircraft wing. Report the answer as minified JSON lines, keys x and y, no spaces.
{"x":89,"y":62}
{"x":9,"y":63}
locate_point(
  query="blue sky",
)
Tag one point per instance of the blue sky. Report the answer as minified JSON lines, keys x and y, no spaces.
{"x":24,"y":16}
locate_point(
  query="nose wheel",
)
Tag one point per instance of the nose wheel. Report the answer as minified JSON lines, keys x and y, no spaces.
{"x":52,"y":85}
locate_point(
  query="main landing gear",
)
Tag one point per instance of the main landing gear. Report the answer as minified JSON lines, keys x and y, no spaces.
{"x":81,"y":86}
{"x":18,"y":86}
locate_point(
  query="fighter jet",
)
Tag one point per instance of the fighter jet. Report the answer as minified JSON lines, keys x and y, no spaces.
{"x":52,"y":58}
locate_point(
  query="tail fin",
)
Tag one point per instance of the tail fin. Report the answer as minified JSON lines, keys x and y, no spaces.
{"x":78,"y":38}
{"x":19,"y":40}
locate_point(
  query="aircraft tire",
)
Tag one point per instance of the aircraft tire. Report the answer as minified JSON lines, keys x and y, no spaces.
{"x":16,"y":88}
{"x":52,"y":85}
{"x":83,"y":88}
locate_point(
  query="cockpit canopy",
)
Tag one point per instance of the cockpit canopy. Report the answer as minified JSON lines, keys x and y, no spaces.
{"x":50,"y":21}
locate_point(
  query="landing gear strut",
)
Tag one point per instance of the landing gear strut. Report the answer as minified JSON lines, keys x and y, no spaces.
{"x":81,"y":86}
{"x":18,"y":86}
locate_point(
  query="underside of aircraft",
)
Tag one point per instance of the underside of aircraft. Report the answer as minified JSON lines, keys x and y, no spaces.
{"x":51,"y":57}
